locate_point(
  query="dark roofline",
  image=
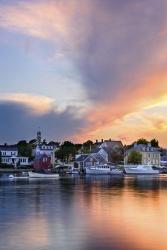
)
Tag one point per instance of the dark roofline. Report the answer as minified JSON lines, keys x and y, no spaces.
{"x":113,"y":141}
{"x":8,"y":147}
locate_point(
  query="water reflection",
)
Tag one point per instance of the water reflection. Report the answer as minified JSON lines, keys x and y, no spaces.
{"x":84,"y":213}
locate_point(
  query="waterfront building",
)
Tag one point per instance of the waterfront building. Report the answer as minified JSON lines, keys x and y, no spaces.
{"x":150,"y":155}
{"x":164,"y":157}
{"x":164,"y":160}
{"x":44,"y":153}
{"x":111,"y":150}
{"x":9,"y":156}
{"x":99,"y":151}
{"x":42,"y":161}
{"x":44,"y":148}
{"x":105,"y":152}
{"x":86,"y":160}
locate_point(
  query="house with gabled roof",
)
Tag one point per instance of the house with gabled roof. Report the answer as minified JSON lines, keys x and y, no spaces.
{"x":114,"y":150}
{"x":9,"y":156}
{"x":43,"y":149}
{"x":86,"y":160}
{"x":150,"y":155}
{"x":100,"y":151}
{"x":104,"y":153}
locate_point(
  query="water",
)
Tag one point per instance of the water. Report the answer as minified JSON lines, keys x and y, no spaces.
{"x":84,"y":214}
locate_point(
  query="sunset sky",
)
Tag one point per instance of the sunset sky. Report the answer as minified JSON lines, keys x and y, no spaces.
{"x":83,"y":69}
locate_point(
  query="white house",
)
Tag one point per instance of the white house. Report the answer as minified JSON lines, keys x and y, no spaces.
{"x":9,"y":156}
{"x":46,"y":149}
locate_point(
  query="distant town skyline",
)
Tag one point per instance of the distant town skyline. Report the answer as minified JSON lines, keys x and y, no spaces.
{"x":83,"y":69}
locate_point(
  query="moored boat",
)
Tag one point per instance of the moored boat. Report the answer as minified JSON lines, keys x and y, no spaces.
{"x":43,"y":175}
{"x":72,"y":170}
{"x":103,"y":170}
{"x":140,"y":169}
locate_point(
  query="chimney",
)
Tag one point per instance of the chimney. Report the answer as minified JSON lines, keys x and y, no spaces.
{"x":96,"y":141}
{"x":102,"y":140}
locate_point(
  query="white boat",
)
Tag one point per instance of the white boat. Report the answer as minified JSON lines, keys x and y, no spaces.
{"x":43,"y":175}
{"x":140,"y":169}
{"x":72,"y":170}
{"x":103,"y":170}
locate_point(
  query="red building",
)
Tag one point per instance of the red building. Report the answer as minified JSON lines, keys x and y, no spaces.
{"x":42,"y":161}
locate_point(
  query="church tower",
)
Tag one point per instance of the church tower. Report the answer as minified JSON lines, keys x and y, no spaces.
{"x":39,"y":137}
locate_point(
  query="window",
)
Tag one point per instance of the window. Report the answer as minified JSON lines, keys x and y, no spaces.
{"x":44,"y":159}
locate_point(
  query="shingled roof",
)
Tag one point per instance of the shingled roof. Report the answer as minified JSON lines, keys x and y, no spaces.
{"x":82,"y":157}
{"x":8,"y":148}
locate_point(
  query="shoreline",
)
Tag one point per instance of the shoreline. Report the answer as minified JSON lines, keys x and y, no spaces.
{"x":9,"y":170}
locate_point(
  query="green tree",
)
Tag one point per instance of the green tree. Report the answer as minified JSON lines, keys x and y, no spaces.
{"x":154,"y":143}
{"x":117,"y":156}
{"x":66,"y":152}
{"x":33,"y":141}
{"x":87,"y":146}
{"x":53,"y":143}
{"x":24,"y":148}
{"x":134,"y":158}
{"x":78,"y":147}
{"x":142,"y":141}
{"x":44,"y":141}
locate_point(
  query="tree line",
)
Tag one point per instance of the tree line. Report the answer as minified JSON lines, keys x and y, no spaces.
{"x":67,"y":150}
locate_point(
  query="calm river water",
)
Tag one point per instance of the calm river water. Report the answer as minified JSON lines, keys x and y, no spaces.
{"x":97,"y":213}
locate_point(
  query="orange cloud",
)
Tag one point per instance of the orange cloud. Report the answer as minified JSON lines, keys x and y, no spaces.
{"x":57,"y":22}
{"x":37,"y":104}
{"x":53,"y":21}
{"x":125,"y":118}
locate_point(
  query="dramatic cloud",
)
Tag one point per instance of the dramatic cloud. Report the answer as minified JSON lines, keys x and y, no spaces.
{"x":19,"y":121}
{"x":118,"y":47}
{"x":38,"y":104}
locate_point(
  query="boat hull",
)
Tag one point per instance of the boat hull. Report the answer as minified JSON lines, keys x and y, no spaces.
{"x":97,"y":172}
{"x":43,"y":175}
{"x":103,"y":172}
{"x":140,"y":170}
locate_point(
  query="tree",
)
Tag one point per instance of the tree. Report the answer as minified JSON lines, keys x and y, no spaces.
{"x":66,"y":151}
{"x":24,"y":149}
{"x":142,"y":141}
{"x":134,"y":158}
{"x":44,"y":141}
{"x":87,"y":146}
{"x":78,"y":147}
{"x":117,"y":156}
{"x":33,"y":141}
{"x":154,"y":143}
{"x":53,"y":143}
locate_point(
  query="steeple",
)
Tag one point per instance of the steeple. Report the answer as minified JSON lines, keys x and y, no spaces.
{"x":39,"y":136}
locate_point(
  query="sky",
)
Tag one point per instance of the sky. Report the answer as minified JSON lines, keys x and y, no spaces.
{"x":83,"y":69}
